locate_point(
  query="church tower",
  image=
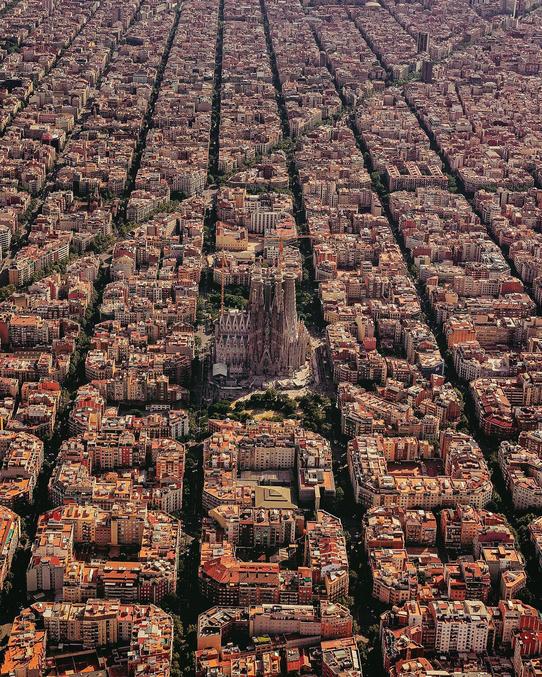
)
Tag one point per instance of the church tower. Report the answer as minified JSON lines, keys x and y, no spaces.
{"x":267,"y":339}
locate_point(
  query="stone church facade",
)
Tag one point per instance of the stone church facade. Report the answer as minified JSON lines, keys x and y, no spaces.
{"x":266,"y":339}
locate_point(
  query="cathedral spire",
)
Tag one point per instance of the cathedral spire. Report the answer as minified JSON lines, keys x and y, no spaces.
{"x":275,"y":341}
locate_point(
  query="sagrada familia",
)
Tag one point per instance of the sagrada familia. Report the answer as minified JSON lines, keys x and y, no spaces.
{"x":266,"y":339}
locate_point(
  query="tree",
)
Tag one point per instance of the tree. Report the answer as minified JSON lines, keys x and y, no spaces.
{"x":495,"y":505}
{"x":6,"y":292}
{"x":220,"y":409}
{"x":101,"y":243}
{"x":452,"y":184}
{"x":527,"y":596}
{"x":373,"y":631}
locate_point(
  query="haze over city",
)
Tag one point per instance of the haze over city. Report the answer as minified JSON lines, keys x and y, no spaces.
{"x":271,"y":338}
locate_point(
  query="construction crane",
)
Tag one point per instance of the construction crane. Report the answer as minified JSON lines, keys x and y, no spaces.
{"x":222,"y":285}
{"x":282,"y":239}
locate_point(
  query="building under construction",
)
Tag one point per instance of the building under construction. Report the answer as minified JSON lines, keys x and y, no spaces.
{"x":266,"y":340}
